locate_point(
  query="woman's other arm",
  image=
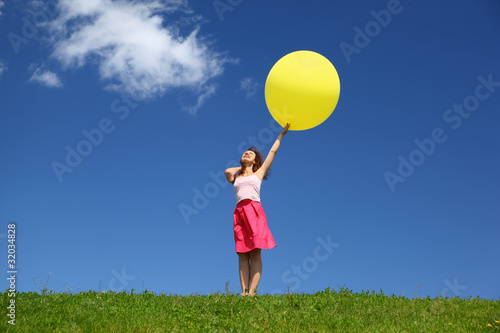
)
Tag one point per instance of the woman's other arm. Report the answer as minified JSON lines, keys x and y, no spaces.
{"x":229,"y":173}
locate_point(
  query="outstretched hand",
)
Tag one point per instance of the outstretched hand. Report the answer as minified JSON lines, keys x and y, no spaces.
{"x":285,"y":129}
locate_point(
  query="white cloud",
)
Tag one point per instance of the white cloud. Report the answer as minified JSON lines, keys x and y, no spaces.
{"x":46,"y":78}
{"x":1,"y":5}
{"x":206,"y":92}
{"x":136,"y":53}
{"x":249,"y":86}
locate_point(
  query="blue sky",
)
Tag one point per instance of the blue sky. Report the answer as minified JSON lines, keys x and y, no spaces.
{"x":118,"y":118}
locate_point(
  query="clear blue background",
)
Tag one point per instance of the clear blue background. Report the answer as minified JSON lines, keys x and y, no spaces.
{"x":116,"y":221}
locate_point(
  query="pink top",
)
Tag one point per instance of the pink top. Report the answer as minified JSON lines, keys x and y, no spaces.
{"x":247,"y":187}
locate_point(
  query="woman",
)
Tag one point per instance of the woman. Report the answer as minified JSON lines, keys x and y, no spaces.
{"x":251,"y":233}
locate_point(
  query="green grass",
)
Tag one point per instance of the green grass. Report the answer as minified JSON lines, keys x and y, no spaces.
{"x":327,"y":311}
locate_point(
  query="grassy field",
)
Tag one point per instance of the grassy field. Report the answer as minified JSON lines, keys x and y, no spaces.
{"x":327,"y":311}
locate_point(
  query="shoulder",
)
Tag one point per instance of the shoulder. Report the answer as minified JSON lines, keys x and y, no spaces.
{"x":259,"y":176}
{"x":261,"y":173}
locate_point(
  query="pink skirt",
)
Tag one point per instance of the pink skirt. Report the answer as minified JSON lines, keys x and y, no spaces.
{"x":250,"y":227}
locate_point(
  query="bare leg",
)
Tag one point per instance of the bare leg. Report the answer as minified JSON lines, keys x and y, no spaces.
{"x":244,"y":264}
{"x":255,"y":270}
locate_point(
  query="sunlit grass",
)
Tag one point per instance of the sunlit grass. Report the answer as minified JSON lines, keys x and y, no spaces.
{"x":326,"y":311}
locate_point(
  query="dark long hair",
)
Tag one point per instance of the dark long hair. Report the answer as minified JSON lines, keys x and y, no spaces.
{"x":259,"y":160}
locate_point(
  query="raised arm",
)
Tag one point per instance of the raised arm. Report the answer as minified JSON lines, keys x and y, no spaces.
{"x":229,"y":173}
{"x":270,"y":156}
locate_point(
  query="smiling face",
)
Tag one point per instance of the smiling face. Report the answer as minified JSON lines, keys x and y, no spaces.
{"x":253,"y":157}
{"x":248,"y":157}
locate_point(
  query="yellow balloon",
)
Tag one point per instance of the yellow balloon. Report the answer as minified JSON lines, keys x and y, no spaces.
{"x":302,"y":89}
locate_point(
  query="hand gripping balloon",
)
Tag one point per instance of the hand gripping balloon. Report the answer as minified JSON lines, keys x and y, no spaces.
{"x":302,"y":89}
